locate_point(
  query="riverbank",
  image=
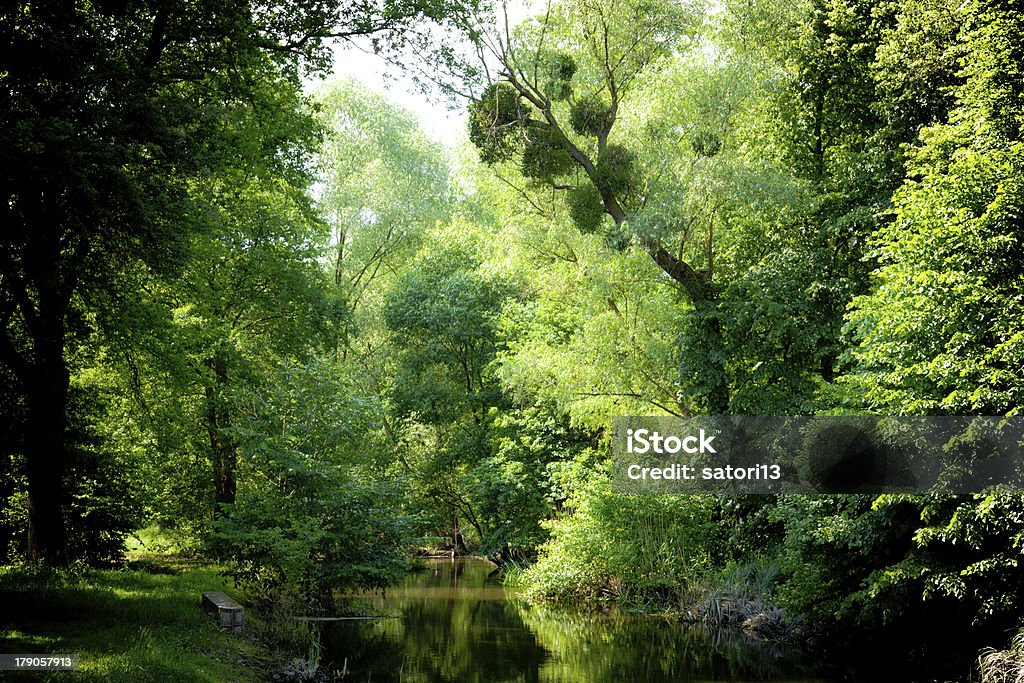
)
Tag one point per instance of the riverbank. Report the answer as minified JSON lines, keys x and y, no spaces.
{"x":740,"y":600}
{"x":140,"y":623}
{"x":738,"y":597}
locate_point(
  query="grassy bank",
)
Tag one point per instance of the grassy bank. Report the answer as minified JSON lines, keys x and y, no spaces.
{"x":143,"y":623}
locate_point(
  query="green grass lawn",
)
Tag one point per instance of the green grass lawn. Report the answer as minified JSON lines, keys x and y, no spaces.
{"x":143,"y":623}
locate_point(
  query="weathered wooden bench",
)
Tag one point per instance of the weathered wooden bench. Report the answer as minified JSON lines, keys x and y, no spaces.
{"x":229,"y":613}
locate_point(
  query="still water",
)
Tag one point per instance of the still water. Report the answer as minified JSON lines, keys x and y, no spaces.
{"x":454,"y":622}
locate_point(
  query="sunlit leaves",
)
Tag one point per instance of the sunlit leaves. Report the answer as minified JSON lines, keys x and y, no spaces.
{"x":383,"y":185}
{"x":942,"y":330}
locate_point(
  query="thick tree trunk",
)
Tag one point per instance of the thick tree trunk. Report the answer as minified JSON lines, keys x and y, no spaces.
{"x":46,"y":449}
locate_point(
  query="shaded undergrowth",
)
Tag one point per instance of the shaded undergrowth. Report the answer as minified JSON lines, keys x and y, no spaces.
{"x":141,"y":623}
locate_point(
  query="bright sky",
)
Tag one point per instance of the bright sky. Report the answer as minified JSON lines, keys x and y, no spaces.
{"x":447,"y":127}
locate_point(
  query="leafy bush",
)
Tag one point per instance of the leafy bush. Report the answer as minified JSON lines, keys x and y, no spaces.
{"x":313,"y":514}
{"x":316,"y":531}
{"x":625,"y":548}
{"x":887,"y":569}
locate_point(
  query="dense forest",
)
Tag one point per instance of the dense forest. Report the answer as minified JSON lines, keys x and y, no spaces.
{"x":286,"y":328}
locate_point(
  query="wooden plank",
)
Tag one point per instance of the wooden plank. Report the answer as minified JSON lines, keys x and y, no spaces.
{"x":229,"y":613}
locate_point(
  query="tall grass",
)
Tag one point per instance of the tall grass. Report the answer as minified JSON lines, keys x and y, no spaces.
{"x":741,"y":595}
{"x":1003,"y":666}
{"x":513,"y":573}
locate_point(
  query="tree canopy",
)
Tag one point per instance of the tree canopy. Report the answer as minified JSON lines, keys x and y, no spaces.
{"x":277,"y":319}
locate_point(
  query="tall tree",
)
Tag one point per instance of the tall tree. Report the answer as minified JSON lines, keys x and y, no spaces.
{"x":106,"y":110}
{"x":252,"y":292}
{"x":442,"y":313}
{"x":942,"y":332}
{"x":385,"y":185}
{"x":651,"y":122}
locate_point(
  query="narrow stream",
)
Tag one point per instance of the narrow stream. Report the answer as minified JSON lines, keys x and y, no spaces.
{"x":454,"y":622}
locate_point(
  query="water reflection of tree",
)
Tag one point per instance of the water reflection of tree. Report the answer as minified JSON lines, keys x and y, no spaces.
{"x":442,"y":638}
{"x":464,"y":636}
{"x":589,"y":648}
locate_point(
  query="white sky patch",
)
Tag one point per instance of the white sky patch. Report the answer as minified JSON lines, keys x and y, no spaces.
{"x":437,"y":120}
{"x":356,"y":59}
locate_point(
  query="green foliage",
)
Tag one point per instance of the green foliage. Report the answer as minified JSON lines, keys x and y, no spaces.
{"x":544,"y":155}
{"x":782,"y":325}
{"x":859,"y":565}
{"x":496,"y":122}
{"x":702,"y":366}
{"x":916,"y":68}
{"x":517,"y":487}
{"x":618,"y":40}
{"x":174,"y":104}
{"x":252,"y":289}
{"x":622,"y":549}
{"x":705,"y":143}
{"x":385,"y":185}
{"x":167,"y":312}
{"x":104,"y":501}
{"x":831,"y":546}
{"x":341,"y":534}
{"x":616,"y":171}
{"x":558,"y":69}
{"x":994,"y":76}
{"x":105,"y":505}
{"x":590,"y":116}
{"x":585,"y":208}
{"x":977,"y":539}
{"x":443,"y":315}
{"x":481,"y":468}
{"x":314,"y":513}
{"x":943,"y":335}
{"x":596,"y":339}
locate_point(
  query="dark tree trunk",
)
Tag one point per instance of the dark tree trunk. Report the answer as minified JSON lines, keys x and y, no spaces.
{"x":222,"y":448}
{"x":46,"y":448}
{"x":35,"y":281}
